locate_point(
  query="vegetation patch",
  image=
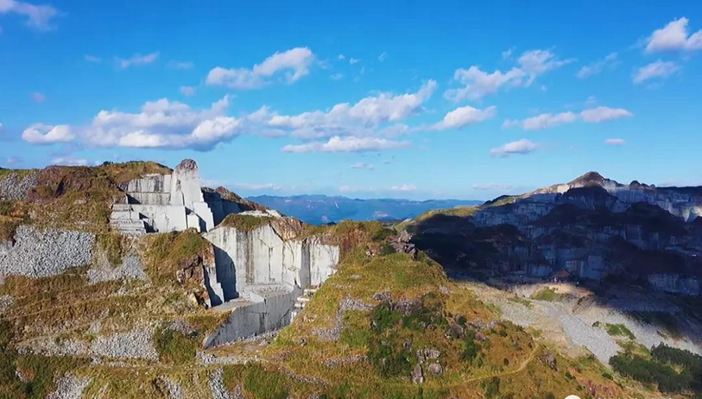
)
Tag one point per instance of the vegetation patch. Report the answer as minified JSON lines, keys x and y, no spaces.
{"x":547,"y":294}
{"x":175,"y":347}
{"x":619,"y":330}
{"x":111,"y":243}
{"x":672,"y":370}
{"x":245,"y":222}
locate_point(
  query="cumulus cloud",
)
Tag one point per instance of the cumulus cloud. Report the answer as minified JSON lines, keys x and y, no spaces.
{"x":477,"y":83}
{"x":548,"y":120}
{"x":292,"y":64}
{"x":137,"y":60}
{"x":522,"y":146}
{"x":364,"y":116}
{"x":610,"y":61}
{"x":655,"y":70}
{"x":39,"y":133}
{"x":615,"y":141}
{"x":464,"y":116}
{"x":39,"y":17}
{"x":601,"y":114}
{"x":347,"y":144}
{"x":674,"y":36}
{"x":165,"y":123}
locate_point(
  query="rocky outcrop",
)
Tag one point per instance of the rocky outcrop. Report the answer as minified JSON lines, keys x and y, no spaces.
{"x":42,"y":253}
{"x":15,"y":186}
{"x":587,"y":229}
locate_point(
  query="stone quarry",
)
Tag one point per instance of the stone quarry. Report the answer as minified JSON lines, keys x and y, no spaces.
{"x":257,"y":275}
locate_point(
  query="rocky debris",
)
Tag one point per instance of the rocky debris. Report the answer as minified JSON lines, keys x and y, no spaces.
{"x":69,"y":387}
{"x":417,"y":375}
{"x":131,"y":268}
{"x":49,"y":346}
{"x":219,"y":391}
{"x":44,"y":253}
{"x":136,"y":344}
{"x":435,"y":368}
{"x":15,"y":186}
{"x":428,"y":354}
{"x":334,"y":333}
{"x":550,"y":360}
{"x":169,"y":388}
{"x":403,"y":243}
{"x":344,"y":361}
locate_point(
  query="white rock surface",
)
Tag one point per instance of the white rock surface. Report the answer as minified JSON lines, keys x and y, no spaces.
{"x":43,"y":253}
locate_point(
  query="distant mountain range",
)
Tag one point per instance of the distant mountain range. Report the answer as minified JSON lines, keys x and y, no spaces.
{"x":319,"y":209}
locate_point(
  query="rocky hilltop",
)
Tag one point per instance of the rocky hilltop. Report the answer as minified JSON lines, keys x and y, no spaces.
{"x":590,"y":229}
{"x":133,"y":280}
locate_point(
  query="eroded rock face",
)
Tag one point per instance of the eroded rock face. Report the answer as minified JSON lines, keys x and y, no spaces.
{"x":44,"y":253}
{"x":16,"y":186}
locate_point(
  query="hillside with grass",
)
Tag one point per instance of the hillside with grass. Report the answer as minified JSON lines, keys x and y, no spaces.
{"x":128,"y":317}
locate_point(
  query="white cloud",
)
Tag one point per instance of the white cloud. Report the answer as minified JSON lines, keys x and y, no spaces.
{"x":522,"y":146}
{"x":655,"y":70}
{"x":47,"y":134}
{"x":547,"y":120}
{"x":615,"y":141}
{"x":674,"y":36}
{"x":353,"y":61}
{"x":39,"y":17}
{"x":293,"y":64}
{"x":337,"y":76}
{"x":159,"y":124}
{"x":38,"y":97}
{"x":187,"y":91}
{"x":478,"y":83}
{"x":137,"y":60}
{"x":610,"y":61}
{"x":492,"y":187}
{"x":70,"y":161}
{"x":383,"y":56}
{"x":346,"y":144}
{"x":403,"y":187}
{"x":93,"y":59}
{"x":365,"y":116}
{"x":464,"y":116}
{"x":601,"y":114}
{"x":363,"y":165}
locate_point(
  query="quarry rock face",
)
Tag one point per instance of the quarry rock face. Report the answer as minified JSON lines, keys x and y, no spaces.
{"x":587,"y":229}
{"x":261,"y":273}
{"x":44,"y":253}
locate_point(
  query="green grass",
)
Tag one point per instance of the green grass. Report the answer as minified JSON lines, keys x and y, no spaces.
{"x":245,"y":222}
{"x":174,"y":347}
{"x":546,"y":294}
{"x":619,"y":330}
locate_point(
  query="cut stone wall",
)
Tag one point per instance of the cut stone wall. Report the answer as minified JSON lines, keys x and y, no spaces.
{"x":44,"y":253}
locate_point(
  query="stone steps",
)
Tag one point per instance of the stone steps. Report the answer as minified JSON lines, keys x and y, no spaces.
{"x":302,"y":301}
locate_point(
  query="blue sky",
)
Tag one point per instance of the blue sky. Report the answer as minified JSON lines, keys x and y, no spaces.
{"x":413,"y":99}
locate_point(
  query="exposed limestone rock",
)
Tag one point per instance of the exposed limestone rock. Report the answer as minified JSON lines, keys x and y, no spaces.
{"x":418,"y":375}
{"x":43,"y":253}
{"x":169,"y":388}
{"x":15,"y":186}
{"x":136,"y":344}
{"x":219,"y":391}
{"x":70,"y":387}
{"x":130,"y":268}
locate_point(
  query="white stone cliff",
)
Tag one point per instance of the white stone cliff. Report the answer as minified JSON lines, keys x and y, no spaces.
{"x":257,"y":275}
